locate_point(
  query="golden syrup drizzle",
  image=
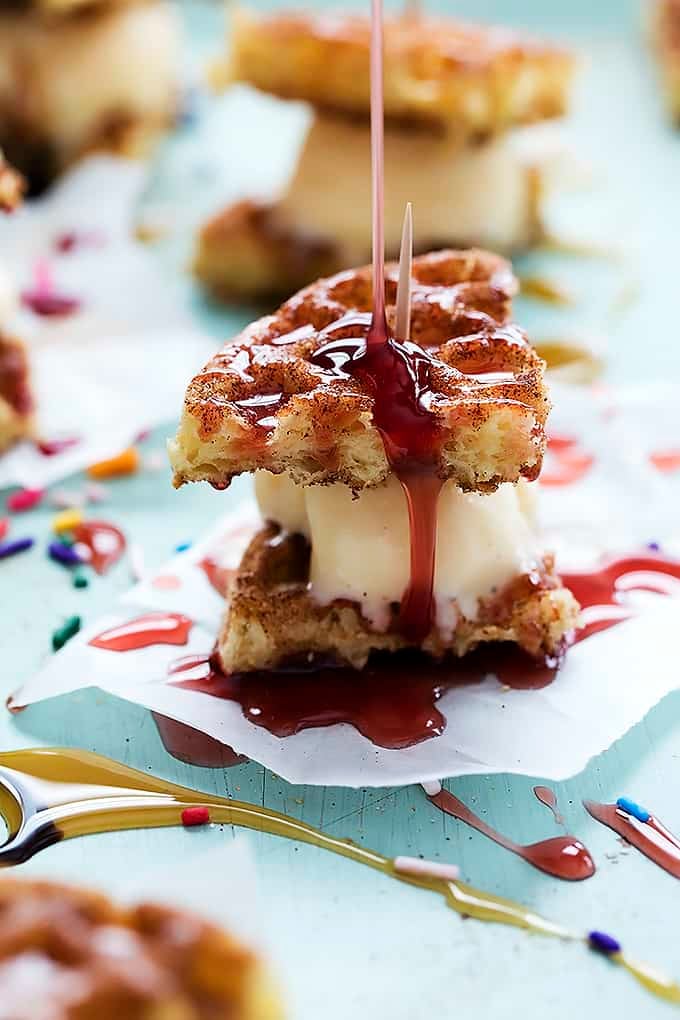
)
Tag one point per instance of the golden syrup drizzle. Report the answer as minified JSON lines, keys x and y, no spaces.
{"x":50,"y":794}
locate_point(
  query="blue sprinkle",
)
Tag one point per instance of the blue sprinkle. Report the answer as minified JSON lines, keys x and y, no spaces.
{"x":603,"y":943}
{"x":654,"y":546}
{"x":183,"y":546}
{"x":12,"y":548}
{"x":631,"y":808}
{"x":64,"y":554}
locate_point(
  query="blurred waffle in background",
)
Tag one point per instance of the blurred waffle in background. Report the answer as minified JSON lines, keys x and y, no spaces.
{"x":79,"y":77}
{"x":666,"y":36}
{"x":460,"y":143}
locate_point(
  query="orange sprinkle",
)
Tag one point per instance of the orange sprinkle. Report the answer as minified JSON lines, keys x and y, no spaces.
{"x":126,"y":463}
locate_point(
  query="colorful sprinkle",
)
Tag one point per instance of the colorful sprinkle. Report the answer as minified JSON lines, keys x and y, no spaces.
{"x":51,"y":447}
{"x":125,"y":463}
{"x":64,"y":633}
{"x":80,"y":580}
{"x":65,"y":554}
{"x":182,"y":547}
{"x":19,"y":545}
{"x":195,"y":816}
{"x":654,"y":546}
{"x":4,"y":527}
{"x":603,"y":943}
{"x":25,"y":499}
{"x":631,"y":808}
{"x":67,"y":520}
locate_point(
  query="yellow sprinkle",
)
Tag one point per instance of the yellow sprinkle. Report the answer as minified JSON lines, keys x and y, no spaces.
{"x":67,"y":520}
{"x":126,"y":463}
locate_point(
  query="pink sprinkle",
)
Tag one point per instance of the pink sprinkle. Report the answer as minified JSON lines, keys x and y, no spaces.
{"x":51,"y":447}
{"x":24,"y":499}
{"x":166,"y":582}
{"x":195,"y":816}
{"x":49,"y":305}
{"x":4,"y":527}
{"x":67,"y":242}
{"x":96,"y":493}
{"x":426,"y":869}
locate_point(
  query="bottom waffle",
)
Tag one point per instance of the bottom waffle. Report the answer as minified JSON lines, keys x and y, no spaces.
{"x":272,"y":619}
{"x":16,"y":404}
{"x":666,"y":31}
{"x":71,"y":954}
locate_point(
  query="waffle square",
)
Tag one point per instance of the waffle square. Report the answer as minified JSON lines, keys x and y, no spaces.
{"x":16,"y":403}
{"x":265,"y":402}
{"x":475,"y":80}
{"x":67,"y":952}
{"x":271,"y":618}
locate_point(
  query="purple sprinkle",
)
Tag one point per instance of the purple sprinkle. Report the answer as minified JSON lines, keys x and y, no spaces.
{"x":12,"y":548}
{"x":654,"y":546}
{"x":64,"y":554}
{"x":603,"y":943}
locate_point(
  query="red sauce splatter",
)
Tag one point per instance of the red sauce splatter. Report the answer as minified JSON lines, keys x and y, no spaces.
{"x":106,"y":543}
{"x":651,"y":838}
{"x":666,"y":461}
{"x":548,"y":797}
{"x":50,"y":305}
{"x":392,"y":702}
{"x":145,"y":631}
{"x":218,"y":576}
{"x":604,"y":593}
{"x":561,"y":856}
{"x":566,"y":462}
{"x":52,"y":447}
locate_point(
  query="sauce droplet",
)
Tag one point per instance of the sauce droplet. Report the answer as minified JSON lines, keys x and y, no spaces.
{"x":145,"y":631}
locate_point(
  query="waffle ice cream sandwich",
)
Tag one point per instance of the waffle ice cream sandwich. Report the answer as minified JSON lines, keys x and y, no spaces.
{"x":288,"y":399}
{"x":459,"y":100}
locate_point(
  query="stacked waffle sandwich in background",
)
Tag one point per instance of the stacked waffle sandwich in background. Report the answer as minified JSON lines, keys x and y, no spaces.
{"x":456,"y":96}
{"x":77,"y":76}
{"x":289,"y":400}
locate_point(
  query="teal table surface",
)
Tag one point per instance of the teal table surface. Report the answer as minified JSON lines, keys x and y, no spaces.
{"x":348,"y":942}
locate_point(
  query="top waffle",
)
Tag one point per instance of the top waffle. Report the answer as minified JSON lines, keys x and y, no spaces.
{"x":270,"y":400}
{"x":477,"y":80}
{"x":67,"y":953}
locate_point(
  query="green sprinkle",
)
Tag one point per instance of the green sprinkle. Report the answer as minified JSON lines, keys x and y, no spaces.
{"x":66,"y":538}
{"x":64,"y":633}
{"x":80,"y":581}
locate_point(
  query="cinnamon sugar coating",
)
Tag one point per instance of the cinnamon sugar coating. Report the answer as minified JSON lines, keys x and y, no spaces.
{"x":272,"y":618}
{"x":476,"y":80}
{"x":269,"y":399}
{"x":71,"y":954}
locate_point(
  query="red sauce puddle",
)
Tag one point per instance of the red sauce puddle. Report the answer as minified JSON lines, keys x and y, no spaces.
{"x":392,"y":702}
{"x":548,"y":798}
{"x":105,"y":542}
{"x":145,"y":631}
{"x":561,"y":856}
{"x":651,"y":838}
{"x":218,"y":576}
